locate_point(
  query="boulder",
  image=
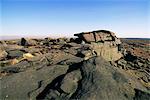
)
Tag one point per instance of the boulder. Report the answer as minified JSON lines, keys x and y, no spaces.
{"x":70,"y":81}
{"x":98,"y":36}
{"x":27,"y":85}
{"x":104,"y":43}
{"x":15,"y":53}
{"x":141,"y":95}
{"x":27,"y":42}
{"x":101,"y":81}
{"x":3,"y":54}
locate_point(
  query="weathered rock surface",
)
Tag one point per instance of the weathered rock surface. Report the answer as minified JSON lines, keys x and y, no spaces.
{"x":3,"y":54}
{"x":104,"y":43}
{"x":85,"y":68}
{"x":70,"y":81}
{"x":15,"y":53}
{"x":101,"y":81}
{"x":98,"y":36}
{"x":26,"y":85}
{"x":27,"y":42}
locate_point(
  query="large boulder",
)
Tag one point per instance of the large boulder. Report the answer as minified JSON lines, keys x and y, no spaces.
{"x":104,"y":43}
{"x":101,"y":81}
{"x":98,"y":36}
{"x":94,"y":79}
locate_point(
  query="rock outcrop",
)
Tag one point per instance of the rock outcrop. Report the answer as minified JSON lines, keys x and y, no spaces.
{"x":90,"y":67}
{"x":95,"y":79}
{"x":103,"y":42}
{"x":27,"y":85}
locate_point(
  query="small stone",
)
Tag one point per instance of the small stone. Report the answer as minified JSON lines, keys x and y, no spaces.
{"x":14,"y":61}
{"x":28,"y":56}
{"x":140,"y":64}
{"x":6,"y":96}
{"x":3,"y":54}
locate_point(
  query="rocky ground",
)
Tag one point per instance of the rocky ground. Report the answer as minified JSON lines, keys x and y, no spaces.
{"x":62,"y":69}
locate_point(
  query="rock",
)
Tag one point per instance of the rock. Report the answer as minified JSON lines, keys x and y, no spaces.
{"x":140,"y":64}
{"x":86,"y":54}
{"x":28,"y":56}
{"x":15,"y":53}
{"x":75,"y":69}
{"x":13,"y":47}
{"x":107,"y":52}
{"x":20,"y":66}
{"x":3,"y":54}
{"x":29,"y":84}
{"x":101,"y":81}
{"x":122,"y":63}
{"x":23,"y":42}
{"x":141,"y":95}
{"x":71,"y":61}
{"x":62,"y":40}
{"x":10,"y":70}
{"x":27,"y":42}
{"x":70,"y":81}
{"x":56,"y":46}
{"x":3,"y":43}
{"x":98,"y":36}
{"x":14,"y":61}
{"x":104,"y":43}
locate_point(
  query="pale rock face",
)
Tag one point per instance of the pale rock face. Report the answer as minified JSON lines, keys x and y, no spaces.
{"x":104,"y":43}
{"x":108,"y":53}
{"x":3,"y":54}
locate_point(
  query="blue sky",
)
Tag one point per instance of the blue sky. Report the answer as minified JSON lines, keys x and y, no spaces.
{"x":127,"y":18}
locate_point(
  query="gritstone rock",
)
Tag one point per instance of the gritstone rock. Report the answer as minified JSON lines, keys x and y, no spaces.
{"x":103,"y":42}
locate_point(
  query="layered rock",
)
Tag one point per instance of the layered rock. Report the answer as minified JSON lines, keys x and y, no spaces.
{"x":103,"y":42}
{"x":27,"y":85}
{"x":101,"y":81}
{"x":58,"y":69}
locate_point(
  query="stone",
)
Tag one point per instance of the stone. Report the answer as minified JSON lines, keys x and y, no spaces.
{"x":107,"y":52}
{"x":3,"y":54}
{"x":24,"y":42}
{"x":70,"y":81}
{"x":28,"y":56}
{"x":29,"y":84}
{"x":27,"y":42}
{"x":15,"y":53}
{"x":14,"y":61}
{"x":104,"y":43}
{"x":96,"y":36}
{"x":86,"y":54}
{"x":141,"y":95}
{"x":101,"y":81}
{"x":140,"y":64}
{"x":122,"y":62}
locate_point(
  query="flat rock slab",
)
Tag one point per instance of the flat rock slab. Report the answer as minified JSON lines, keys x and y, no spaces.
{"x":27,"y":85}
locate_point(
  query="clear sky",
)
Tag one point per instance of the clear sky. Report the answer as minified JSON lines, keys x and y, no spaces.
{"x":127,"y":18}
